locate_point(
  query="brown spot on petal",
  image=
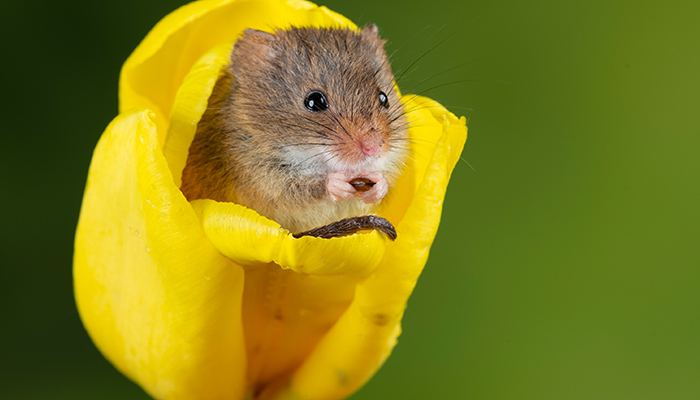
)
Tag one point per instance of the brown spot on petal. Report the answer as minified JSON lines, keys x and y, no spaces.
{"x":342,"y":377}
{"x":380,"y":319}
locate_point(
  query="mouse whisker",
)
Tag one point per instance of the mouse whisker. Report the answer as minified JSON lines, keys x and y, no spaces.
{"x":328,"y":160}
{"x":462,"y":26}
{"x":406,"y":147}
{"x":417,"y":108}
{"x":328,"y":130}
{"x":421,"y":106}
{"x":408,"y":158}
{"x":301,"y":144}
{"x":458,"y":107}
{"x":323,"y":134}
{"x":415,"y":141}
{"x":396,"y":118}
{"x":320,"y":153}
{"x":452,"y":69}
{"x":407,"y":120}
{"x":467,"y":162}
{"x":414,"y":50}
{"x":296,"y":115}
{"x":396,"y":108}
{"x":336,"y":118}
{"x":391,"y":56}
{"x":456,"y":82}
{"x":411,"y":99}
{"x":397,"y":111}
{"x":412,"y":125}
{"x":408,"y":73}
{"x":304,"y":145}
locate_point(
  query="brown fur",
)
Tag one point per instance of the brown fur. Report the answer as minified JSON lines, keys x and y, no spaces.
{"x":258,"y":145}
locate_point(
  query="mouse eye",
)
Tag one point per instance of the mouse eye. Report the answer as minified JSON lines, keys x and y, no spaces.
{"x":316,"y":101}
{"x":383,"y":100}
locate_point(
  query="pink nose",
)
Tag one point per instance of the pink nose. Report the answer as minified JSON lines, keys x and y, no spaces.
{"x":369,"y":148}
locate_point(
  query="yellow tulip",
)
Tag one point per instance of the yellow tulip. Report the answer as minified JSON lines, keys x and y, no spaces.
{"x":208,"y":300}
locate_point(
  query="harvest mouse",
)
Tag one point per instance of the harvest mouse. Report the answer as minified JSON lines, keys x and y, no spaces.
{"x":305,"y":127}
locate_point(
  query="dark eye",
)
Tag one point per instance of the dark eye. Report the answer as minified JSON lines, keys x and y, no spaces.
{"x":316,"y":101}
{"x":383,"y":100}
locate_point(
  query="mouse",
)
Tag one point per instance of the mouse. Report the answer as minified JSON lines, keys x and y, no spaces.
{"x":305,"y":126}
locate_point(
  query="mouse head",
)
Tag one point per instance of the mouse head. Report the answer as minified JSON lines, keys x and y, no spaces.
{"x":321,"y":97}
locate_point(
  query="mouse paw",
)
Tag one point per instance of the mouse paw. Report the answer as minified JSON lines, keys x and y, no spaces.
{"x":339,"y":187}
{"x":342,"y":186}
{"x":377,"y":192}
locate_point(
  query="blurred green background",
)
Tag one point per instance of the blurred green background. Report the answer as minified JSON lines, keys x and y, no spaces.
{"x":567,"y":265}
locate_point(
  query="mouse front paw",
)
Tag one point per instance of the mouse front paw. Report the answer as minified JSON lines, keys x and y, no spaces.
{"x":339,"y":187}
{"x":370,"y":187}
{"x":377,"y":190}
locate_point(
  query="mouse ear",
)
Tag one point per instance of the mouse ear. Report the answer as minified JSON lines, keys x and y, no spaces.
{"x":370,"y":31}
{"x":254,"y":47}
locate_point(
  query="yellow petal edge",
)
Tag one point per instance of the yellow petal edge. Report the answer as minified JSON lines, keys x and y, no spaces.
{"x":157,"y":298}
{"x":172,"y":292}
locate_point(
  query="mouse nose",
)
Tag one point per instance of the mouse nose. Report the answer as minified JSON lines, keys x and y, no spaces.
{"x":369,"y":147}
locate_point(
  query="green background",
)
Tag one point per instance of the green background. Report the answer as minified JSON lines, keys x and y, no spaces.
{"x":567,"y":265}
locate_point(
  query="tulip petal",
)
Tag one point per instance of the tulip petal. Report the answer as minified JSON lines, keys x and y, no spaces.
{"x":295,"y":289}
{"x":425,"y":129}
{"x":191,"y":101}
{"x":371,"y":324}
{"x":248,"y":238}
{"x":160,"y":302}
